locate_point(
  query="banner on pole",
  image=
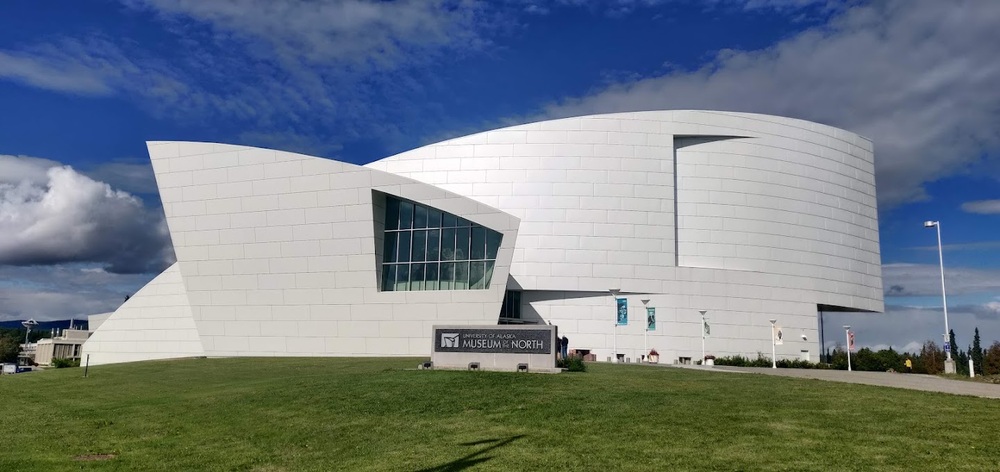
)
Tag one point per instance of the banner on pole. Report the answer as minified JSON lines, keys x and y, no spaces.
{"x":708,"y":330}
{"x":622,"y":311}
{"x":650,"y":319}
{"x":850,"y":342}
{"x":778,"y":336}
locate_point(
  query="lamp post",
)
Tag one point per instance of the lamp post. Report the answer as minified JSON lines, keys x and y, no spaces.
{"x":847,"y":337}
{"x":31,"y":323}
{"x":774,"y":356}
{"x":614,"y":294}
{"x":645,"y":332}
{"x":949,"y":364}
{"x":702,"y":335}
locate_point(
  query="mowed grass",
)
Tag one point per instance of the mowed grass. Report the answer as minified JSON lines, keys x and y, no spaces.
{"x":381,"y":414}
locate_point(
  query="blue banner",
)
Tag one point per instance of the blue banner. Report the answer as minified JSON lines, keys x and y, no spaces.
{"x":650,"y":319}
{"x":622,"y":311}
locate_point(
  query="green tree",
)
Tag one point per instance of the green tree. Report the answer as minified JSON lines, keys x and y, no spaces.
{"x":953,"y":345}
{"x":991,"y":360}
{"x":930,"y":360}
{"x":977,"y":353}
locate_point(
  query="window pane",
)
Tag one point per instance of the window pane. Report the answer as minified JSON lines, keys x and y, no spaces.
{"x":493,"y":239}
{"x":448,"y":244}
{"x":461,"y":276}
{"x":433,"y":241}
{"x":478,"y":249}
{"x":489,"y":273}
{"x":433,"y":218}
{"x":403,"y":254}
{"x":462,"y":244}
{"x":419,"y":216}
{"x":515,"y":305}
{"x":405,"y":215}
{"x":419,"y":245}
{"x":388,"y":277}
{"x":431,"y":276}
{"x":403,"y":277}
{"x":476,"y":272}
{"x":389,"y":248}
{"x":417,"y":277}
{"x":447,"y":276}
{"x":391,"y":213}
{"x":447,"y":220}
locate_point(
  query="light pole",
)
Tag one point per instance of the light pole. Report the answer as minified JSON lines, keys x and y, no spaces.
{"x":774,"y":356}
{"x":31,"y":323}
{"x":949,"y":364}
{"x":645,"y":332}
{"x":614,"y":293}
{"x":702,"y":335}
{"x":847,"y":336}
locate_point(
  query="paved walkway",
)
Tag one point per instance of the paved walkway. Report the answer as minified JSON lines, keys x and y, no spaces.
{"x":928,"y":383}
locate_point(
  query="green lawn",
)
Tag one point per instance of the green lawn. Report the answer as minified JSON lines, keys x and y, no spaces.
{"x":379,"y":414}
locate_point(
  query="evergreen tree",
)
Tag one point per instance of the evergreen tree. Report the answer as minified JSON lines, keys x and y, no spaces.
{"x":953,"y":345}
{"x":976,"y":353}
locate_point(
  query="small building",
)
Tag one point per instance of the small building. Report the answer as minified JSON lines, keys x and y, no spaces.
{"x":67,"y":345}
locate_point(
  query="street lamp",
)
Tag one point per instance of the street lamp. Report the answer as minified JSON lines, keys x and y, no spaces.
{"x":774,"y":356}
{"x":645,"y":332}
{"x":27,"y":326}
{"x":949,"y":364}
{"x":702,"y":335}
{"x":614,"y":293}
{"x":847,"y":336}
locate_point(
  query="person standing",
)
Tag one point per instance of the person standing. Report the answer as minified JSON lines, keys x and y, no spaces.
{"x":564,"y":344}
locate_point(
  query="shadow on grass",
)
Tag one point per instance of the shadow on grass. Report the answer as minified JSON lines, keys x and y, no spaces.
{"x":474,"y":458}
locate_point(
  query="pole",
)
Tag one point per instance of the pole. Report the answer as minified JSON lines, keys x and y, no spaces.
{"x":614,"y":295}
{"x":86,"y":367}
{"x":702,"y":335}
{"x":774,"y":355}
{"x":645,"y":332}
{"x":847,"y":337}
{"x":944,"y":296}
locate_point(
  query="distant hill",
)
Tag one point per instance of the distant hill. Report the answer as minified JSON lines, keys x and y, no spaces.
{"x":44,"y":325}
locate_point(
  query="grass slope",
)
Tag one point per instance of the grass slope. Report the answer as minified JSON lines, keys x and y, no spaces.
{"x":374,"y":414}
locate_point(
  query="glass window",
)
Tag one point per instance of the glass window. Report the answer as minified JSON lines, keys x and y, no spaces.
{"x":461,"y":244}
{"x":419,"y":216}
{"x":477,"y":270}
{"x":389,"y":251}
{"x":427,"y":249}
{"x":447,"y":275}
{"x":419,"y":245}
{"x":403,"y":253}
{"x":388,"y":277}
{"x":431,"y":276}
{"x":447,"y":221}
{"x":448,"y":244}
{"x":478,"y":249}
{"x":489,"y":273}
{"x":461,"y":276}
{"x":433,"y":244}
{"x":417,"y":277}
{"x":493,"y":239}
{"x":391,"y":213}
{"x":402,"y":277}
{"x":405,"y":215}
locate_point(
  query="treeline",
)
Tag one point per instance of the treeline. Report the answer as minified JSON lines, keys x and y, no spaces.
{"x":930,"y":359}
{"x":11,"y":340}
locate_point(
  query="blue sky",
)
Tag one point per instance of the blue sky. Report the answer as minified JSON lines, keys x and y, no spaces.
{"x":85,"y":84}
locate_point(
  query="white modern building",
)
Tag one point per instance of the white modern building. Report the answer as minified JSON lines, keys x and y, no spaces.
{"x":749,"y":217}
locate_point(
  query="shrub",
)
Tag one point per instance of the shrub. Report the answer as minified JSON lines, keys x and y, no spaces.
{"x":991,"y":360}
{"x":62,"y":362}
{"x":573,"y":364}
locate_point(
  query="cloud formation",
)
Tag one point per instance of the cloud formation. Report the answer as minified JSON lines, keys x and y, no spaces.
{"x":983,"y":207}
{"x":925,"y":280}
{"x":68,"y":217}
{"x":917,"y":77}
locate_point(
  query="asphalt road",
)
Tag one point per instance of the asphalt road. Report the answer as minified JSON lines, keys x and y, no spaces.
{"x":928,"y":383}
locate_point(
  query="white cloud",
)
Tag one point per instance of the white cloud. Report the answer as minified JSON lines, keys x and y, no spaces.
{"x":984,"y":207}
{"x":925,"y":280}
{"x":71,"y":217}
{"x":907,"y":328}
{"x":62,"y":291}
{"x":917,"y":77}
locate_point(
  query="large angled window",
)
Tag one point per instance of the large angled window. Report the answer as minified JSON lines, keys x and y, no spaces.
{"x":428,"y":249}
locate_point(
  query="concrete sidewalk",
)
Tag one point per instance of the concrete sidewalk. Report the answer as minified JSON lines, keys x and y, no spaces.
{"x":927,"y":383}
